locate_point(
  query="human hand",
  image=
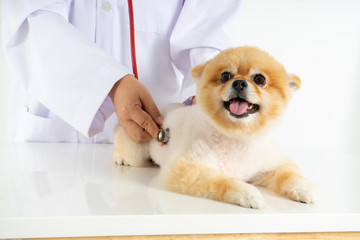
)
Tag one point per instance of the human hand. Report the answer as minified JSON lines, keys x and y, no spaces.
{"x":135,"y":108}
{"x":193,"y":101}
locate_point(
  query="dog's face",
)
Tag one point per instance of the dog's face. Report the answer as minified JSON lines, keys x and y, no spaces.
{"x":244,"y":90}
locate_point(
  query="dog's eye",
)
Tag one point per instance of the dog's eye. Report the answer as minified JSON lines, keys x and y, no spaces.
{"x":225,"y":76}
{"x":260,"y":80}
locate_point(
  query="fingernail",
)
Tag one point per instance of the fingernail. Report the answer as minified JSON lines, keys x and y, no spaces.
{"x":159,"y":120}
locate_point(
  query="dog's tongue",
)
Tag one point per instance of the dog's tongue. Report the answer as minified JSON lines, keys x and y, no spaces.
{"x":238,"y":106}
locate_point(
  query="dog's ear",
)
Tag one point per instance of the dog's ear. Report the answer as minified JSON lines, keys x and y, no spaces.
{"x":197,"y":71}
{"x":294,"y":82}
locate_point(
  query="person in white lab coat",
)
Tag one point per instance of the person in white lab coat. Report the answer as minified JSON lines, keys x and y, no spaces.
{"x":71,"y":63}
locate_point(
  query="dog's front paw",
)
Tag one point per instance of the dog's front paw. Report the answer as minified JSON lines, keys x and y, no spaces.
{"x":136,"y":160}
{"x":245,"y":195}
{"x":300,"y":189}
{"x":118,"y":159}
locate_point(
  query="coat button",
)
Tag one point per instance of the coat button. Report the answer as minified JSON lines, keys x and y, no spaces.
{"x":106,"y":7}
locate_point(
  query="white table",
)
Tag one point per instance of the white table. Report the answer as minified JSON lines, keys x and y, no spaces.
{"x":71,"y":190}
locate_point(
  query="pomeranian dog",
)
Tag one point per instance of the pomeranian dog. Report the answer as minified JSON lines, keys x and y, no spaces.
{"x":219,"y":148}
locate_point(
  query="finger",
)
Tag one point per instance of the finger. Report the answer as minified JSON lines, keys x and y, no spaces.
{"x":135,"y":132}
{"x":150,"y":107}
{"x":145,"y":121}
{"x":193,"y":101}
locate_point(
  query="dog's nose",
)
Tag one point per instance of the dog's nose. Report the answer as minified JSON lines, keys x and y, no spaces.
{"x":239,"y":85}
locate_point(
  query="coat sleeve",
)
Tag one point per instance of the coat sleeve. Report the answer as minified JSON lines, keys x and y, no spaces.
{"x":61,"y":68}
{"x":203,"y":29}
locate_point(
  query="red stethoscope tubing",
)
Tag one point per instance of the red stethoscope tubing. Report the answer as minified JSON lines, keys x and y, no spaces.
{"x":132,"y":39}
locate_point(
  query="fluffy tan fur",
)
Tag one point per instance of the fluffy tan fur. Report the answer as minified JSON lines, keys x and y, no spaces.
{"x":221,"y":155}
{"x":199,"y":180}
{"x":243,"y":62}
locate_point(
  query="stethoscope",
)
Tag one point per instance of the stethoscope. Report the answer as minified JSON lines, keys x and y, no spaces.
{"x":132,"y":38}
{"x":162,"y":135}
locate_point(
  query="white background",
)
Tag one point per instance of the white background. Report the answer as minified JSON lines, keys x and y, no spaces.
{"x":5,"y":78}
{"x":317,"y":40}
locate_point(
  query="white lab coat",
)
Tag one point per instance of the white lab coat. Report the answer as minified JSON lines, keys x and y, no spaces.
{"x":65,"y":56}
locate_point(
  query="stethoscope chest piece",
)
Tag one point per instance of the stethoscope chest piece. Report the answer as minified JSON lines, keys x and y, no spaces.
{"x":163,"y":135}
